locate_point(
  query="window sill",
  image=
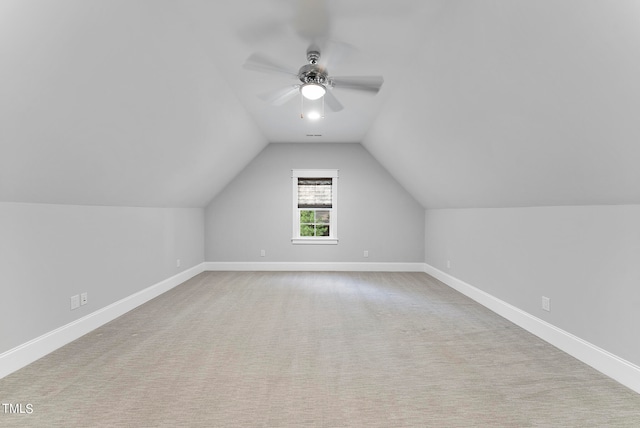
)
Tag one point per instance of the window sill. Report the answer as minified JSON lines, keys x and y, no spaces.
{"x":314,"y":241}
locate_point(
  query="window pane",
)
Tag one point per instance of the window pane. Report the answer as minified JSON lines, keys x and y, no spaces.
{"x":322,"y":216}
{"x":307,"y":216}
{"x":307,"y":230}
{"x":322,"y":230}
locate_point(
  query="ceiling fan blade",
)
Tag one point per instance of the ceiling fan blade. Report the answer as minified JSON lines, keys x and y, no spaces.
{"x":332,"y":102}
{"x":370,"y":84}
{"x":259,"y":62}
{"x":280,"y":96}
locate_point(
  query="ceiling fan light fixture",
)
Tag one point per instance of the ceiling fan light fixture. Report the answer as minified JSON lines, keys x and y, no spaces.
{"x":312,"y":91}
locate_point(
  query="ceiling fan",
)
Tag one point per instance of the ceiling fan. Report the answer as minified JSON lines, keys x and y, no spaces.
{"x":313,"y":80}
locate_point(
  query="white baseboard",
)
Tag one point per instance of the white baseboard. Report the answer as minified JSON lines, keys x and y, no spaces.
{"x":315,"y":266}
{"x":624,"y":372}
{"x":22,"y":355}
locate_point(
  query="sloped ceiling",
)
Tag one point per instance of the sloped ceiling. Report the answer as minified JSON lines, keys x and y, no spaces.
{"x":485,"y":103}
{"x":518,"y":103}
{"x":114,"y":103}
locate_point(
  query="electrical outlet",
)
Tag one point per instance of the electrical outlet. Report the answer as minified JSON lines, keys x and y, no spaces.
{"x":263,"y":253}
{"x":546,"y":304}
{"x":448,"y":264}
{"x":84,"y":298}
{"x":75,"y":302}
{"x":366,"y":253}
{"x":178,"y":263}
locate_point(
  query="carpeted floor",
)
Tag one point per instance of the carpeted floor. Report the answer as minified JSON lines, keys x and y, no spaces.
{"x":283,"y":349}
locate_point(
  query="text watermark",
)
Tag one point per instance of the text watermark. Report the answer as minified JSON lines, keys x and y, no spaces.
{"x":17,"y":408}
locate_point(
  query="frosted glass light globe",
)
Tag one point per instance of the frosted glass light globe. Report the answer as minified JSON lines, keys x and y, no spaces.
{"x":312,"y":91}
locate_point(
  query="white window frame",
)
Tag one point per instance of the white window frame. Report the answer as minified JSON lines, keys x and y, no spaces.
{"x":332,"y":239}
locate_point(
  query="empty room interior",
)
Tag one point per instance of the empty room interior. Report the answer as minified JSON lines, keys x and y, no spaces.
{"x":319,"y":213}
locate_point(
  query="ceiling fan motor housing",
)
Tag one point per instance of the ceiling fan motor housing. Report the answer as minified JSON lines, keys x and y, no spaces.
{"x":312,"y":72}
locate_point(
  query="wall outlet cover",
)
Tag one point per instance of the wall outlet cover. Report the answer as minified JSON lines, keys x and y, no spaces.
{"x":546,"y":303}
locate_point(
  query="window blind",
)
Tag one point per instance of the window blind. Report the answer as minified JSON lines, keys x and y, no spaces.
{"x":315,"y":192}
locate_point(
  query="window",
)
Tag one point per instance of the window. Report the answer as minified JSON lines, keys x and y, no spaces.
{"x":315,"y":196}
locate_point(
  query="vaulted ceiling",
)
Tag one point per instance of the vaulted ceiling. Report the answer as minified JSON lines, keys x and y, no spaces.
{"x":484,"y":104}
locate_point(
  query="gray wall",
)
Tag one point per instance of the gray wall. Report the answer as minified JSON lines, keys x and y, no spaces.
{"x":254,"y":211}
{"x":50,"y":252}
{"x":585,"y":258}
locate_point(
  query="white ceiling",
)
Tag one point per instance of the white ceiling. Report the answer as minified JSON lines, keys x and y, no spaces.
{"x":485,"y":103}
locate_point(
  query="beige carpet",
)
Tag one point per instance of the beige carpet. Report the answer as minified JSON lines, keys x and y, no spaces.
{"x":271,"y":349}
